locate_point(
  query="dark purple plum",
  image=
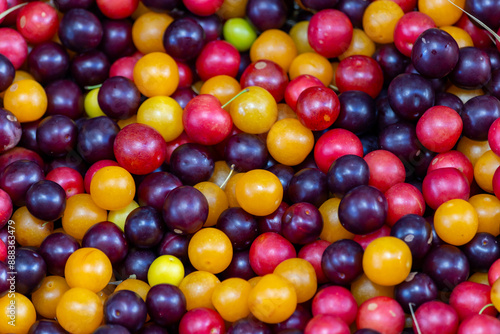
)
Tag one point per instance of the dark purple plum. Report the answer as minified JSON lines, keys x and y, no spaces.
{"x":18,"y":177}
{"x":385,"y":114}
{"x":48,"y":62}
{"x":111,"y":329}
{"x":473,"y":69}
{"x":416,"y":232}
{"x":493,"y":86}
{"x":184,"y":39}
{"x":46,"y":200}
{"x":183,"y":96}
{"x":449,"y":100}
{"x":4,"y":275}
{"x":317,"y":5}
{"x":246,"y":152}
{"x":486,"y":11}
{"x":30,"y":269}
{"x":46,"y":327}
{"x":71,"y":160}
{"x":410,"y":95}
{"x":211,"y":24}
{"x":109,"y":238}
{"x":239,"y":226}
{"x":185,"y":210}
{"x":66,"y":5}
{"x":96,"y":138}
{"x":161,"y":5}
{"x":447,"y":266}
{"x":401,"y":139}
{"x":417,"y":289}
{"x":266,"y":14}
{"x":391,"y":61}
{"x":298,"y":320}
{"x":125,"y":308}
{"x":308,"y":185}
{"x":137,"y":263}
{"x":342,"y":261}
{"x":239,"y":266}
{"x":7,"y":72}
{"x":346,"y":173}
{"x":176,"y":245}
{"x":354,"y":9}
{"x":80,"y":30}
{"x":482,"y":251}
{"x":357,"y":112}
{"x":28,"y":138}
{"x":10,"y":130}
{"x":152,"y":328}
{"x":56,"y":135}
{"x":116,"y":39}
{"x":302,"y":223}
{"x":272,"y":222}
{"x":192,"y":163}
{"x":144,"y":227}
{"x":166,"y":304}
{"x":369,"y":142}
{"x":119,"y":98}
{"x":64,"y":97}
{"x":363,"y":210}
{"x":494,"y":55}
{"x":56,"y":249}
{"x":477,"y":116}
{"x":285,"y":175}
{"x":249,"y":325}
{"x":435,"y":53}
{"x":90,"y":68}
{"x":155,"y":187}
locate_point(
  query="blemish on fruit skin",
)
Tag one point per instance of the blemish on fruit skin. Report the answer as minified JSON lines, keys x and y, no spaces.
{"x":409,"y":238}
{"x":13,"y":88}
{"x":372,"y":306}
{"x":260,"y":65}
{"x":22,"y":21}
{"x":411,"y":276}
{"x":12,"y":118}
{"x":392,"y":313}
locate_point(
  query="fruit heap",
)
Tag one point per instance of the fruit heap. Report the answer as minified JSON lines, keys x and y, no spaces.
{"x":249,"y":166}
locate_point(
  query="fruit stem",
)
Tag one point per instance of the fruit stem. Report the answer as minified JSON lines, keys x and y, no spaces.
{"x":335,"y":88}
{"x":478,"y":21}
{"x":133,"y":276}
{"x":223,"y":185}
{"x":92,"y":87}
{"x":234,"y":97}
{"x":414,"y":317}
{"x":45,"y":223}
{"x":485,"y":307}
{"x":11,"y":9}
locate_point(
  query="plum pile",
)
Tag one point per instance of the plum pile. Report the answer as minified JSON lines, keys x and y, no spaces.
{"x":250,"y":166}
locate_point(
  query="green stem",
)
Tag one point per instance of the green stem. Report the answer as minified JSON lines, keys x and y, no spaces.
{"x":485,"y":307}
{"x":92,"y":87}
{"x":223,"y":185}
{"x":234,"y":97}
{"x":414,"y":318}
{"x":333,"y":87}
{"x":11,"y":9}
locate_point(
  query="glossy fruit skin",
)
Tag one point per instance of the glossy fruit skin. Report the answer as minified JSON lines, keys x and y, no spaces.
{"x":342,"y":261}
{"x":360,"y":72}
{"x":16,"y":186}
{"x":363,"y":210}
{"x":125,"y":308}
{"x":69,"y":310}
{"x":410,"y":95}
{"x":201,"y":320}
{"x":437,"y":316}
{"x":329,"y":40}
{"x":72,"y":34}
{"x":185,"y":210}
{"x":435,"y":53}
{"x":217,"y":58}
{"x":259,"y":192}
{"x":273,"y":288}
{"x":333,"y":144}
{"x":484,"y":323}
{"x":317,"y":108}
{"x":443,"y":120}
{"x":444,"y":184}
{"x":302,"y":223}
{"x":165,"y":304}
{"x":468,"y":298}
{"x":184,"y":39}
{"x":446,"y":277}
{"x":165,"y":269}
{"x":47,"y":195}
{"x":381,"y":313}
{"x":10,"y":129}
{"x":456,"y":214}
{"x":266,"y":74}
{"x":192,"y":163}
{"x":88,"y":268}
{"x":417,"y":289}
{"x":268,"y":250}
